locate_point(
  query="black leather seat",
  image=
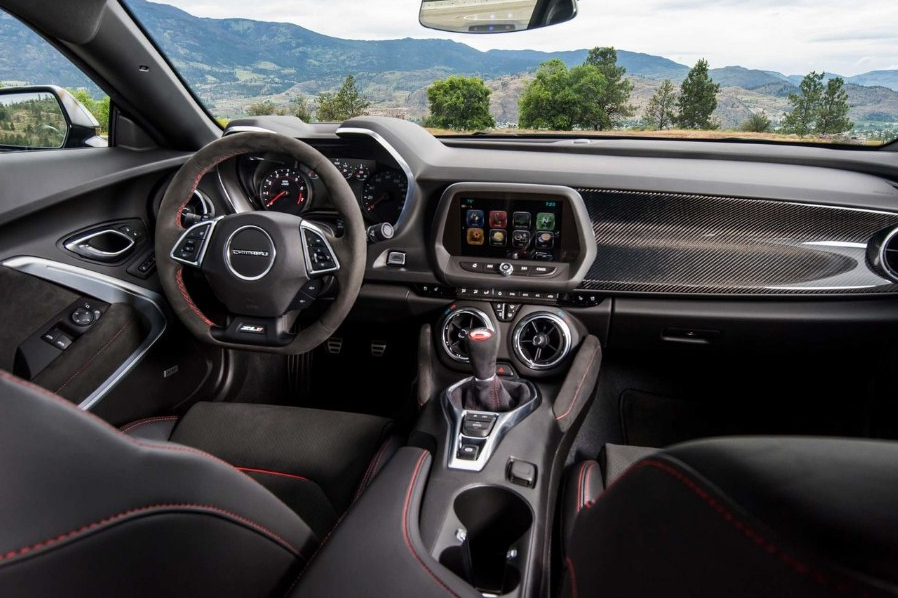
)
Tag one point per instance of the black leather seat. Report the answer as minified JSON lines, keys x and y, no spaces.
{"x":87,"y":510}
{"x":741,"y":517}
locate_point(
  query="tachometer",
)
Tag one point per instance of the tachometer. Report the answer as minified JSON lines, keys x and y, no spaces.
{"x":285,"y":190}
{"x":384,"y":196}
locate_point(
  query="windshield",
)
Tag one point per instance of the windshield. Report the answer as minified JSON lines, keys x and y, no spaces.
{"x":778,"y":70}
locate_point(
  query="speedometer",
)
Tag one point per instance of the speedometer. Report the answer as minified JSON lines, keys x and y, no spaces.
{"x":384,"y":196}
{"x":285,"y":190}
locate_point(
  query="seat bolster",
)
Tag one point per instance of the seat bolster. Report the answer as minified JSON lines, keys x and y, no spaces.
{"x":65,"y":471}
{"x":152,"y":428}
{"x":581,"y":487}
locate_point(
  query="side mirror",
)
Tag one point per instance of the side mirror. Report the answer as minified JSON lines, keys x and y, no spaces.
{"x":45,"y":117}
{"x":494,"y":16}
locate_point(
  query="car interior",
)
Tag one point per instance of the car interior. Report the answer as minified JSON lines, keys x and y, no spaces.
{"x":346,"y":359}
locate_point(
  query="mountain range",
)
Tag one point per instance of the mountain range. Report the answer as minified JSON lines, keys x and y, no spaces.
{"x":234,"y":62}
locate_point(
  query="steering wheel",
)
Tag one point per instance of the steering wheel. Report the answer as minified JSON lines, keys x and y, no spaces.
{"x":264,"y":267}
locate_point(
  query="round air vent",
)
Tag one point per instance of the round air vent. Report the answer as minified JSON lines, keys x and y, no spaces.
{"x":455,"y":330}
{"x":197,"y":209}
{"x":541,"y":340}
{"x":882,"y":252}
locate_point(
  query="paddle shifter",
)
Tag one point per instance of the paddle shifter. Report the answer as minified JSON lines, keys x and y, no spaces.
{"x":486,"y":391}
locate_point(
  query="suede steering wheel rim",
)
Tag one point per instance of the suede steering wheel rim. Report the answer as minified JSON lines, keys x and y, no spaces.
{"x":350,"y":250}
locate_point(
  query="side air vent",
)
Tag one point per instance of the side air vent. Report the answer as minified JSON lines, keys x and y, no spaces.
{"x":197,"y":209}
{"x":542,"y":340}
{"x":455,"y":330}
{"x":882,"y":252}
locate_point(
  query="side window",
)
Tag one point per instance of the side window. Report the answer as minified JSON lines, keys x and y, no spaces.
{"x":45,"y":101}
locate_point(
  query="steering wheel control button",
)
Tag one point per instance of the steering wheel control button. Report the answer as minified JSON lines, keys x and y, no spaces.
{"x":191,"y":247}
{"x":320,"y":257}
{"x":506,"y":269}
{"x":312,"y":288}
{"x":250,"y":253}
{"x":82,"y":317}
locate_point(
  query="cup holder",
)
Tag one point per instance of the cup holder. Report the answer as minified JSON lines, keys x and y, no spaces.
{"x":494,"y":521}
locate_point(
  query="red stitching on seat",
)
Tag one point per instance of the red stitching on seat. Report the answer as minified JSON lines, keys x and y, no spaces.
{"x":125,"y":514}
{"x":579,"y":386}
{"x":277,"y":473}
{"x":372,"y":469}
{"x":580,"y":486}
{"x":767,"y":546}
{"x":570,"y":569}
{"x":105,"y":346}
{"x":179,"y":280}
{"x":408,"y":542}
{"x":142,"y":422}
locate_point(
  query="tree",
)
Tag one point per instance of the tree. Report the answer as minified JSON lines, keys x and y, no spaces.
{"x":263,"y":108}
{"x":661,"y":111}
{"x":805,"y":105}
{"x":614,"y":101}
{"x":832,"y":114}
{"x":698,"y":98}
{"x":758,"y":122}
{"x":459,"y":103}
{"x":560,"y":99}
{"x":302,"y":108}
{"x":346,"y":103}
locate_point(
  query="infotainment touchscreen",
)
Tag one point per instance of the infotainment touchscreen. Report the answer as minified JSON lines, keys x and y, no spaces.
{"x":525,"y":229}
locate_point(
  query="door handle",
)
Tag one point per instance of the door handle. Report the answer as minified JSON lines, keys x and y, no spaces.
{"x":104,"y":245}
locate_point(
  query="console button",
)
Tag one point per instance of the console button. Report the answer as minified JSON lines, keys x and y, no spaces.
{"x":468,"y":452}
{"x":477,"y":427}
{"x":471,"y":266}
{"x":522,"y":270}
{"x":51,"y":335}
{"x":491,"y":267}
{"x":542,"y":271}
{"x":506,"y":269}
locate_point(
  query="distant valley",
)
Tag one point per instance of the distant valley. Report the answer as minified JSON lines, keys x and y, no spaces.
{"x":231,"y":68}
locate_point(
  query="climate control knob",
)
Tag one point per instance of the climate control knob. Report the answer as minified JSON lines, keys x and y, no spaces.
{"x":506,"y":269}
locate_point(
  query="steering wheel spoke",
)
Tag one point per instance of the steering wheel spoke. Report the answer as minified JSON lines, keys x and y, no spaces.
{"x":253,"y":330}
{"x":190,"y":248}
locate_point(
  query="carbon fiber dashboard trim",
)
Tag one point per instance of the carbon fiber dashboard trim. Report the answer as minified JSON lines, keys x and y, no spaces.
{"x":650,"y":242}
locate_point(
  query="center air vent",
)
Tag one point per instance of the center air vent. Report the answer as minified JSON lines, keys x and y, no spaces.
{"x":883,"y":253}
{"x":455,"y":330}
{"x":542,"y":340}
{"x":197,"y":209}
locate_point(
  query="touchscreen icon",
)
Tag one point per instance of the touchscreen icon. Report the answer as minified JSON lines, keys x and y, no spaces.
{"x":521,"y":219}
{"x":498,"y":219}
{"x":520,"y":238}
{"x":475,"y":236}
{"x":545,"y":221}
{"x":475,"y":218}
{"x":497,"y":237}
{"x":545,"y":240}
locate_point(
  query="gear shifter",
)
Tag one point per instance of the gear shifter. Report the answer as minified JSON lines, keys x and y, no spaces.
{"x":485,"y":391}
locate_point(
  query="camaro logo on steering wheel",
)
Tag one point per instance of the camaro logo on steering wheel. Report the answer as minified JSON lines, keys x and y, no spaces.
{"x":249,"y":252}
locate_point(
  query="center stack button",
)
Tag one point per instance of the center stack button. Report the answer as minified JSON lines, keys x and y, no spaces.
{"x":506,"y":269}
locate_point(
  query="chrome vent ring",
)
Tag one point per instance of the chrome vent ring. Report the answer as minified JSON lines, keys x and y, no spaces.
{"x":455,"y":330}
{"x":888,"y":254}
{"x":542,"y":340}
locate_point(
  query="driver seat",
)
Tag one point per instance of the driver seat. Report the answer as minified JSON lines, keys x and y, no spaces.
{"x":87,"y":510}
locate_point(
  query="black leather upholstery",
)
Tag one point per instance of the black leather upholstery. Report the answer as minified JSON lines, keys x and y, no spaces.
{"x":87,"y":511}
{"x":317,"y":462}
{"x":587,"y":480}
{"x":744,"y":517}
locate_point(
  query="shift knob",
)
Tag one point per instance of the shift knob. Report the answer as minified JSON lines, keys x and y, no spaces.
{"x":483,"y":346}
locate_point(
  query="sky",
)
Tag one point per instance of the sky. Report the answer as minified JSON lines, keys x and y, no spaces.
{"x":794,"y":37}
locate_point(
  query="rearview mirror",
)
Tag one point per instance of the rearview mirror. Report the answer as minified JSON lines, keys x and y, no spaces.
{"x":494,"y":16}
{"x":45,"y":117}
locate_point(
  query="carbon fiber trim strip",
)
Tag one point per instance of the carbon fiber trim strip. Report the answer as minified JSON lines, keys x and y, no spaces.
{"x":651,"y":242}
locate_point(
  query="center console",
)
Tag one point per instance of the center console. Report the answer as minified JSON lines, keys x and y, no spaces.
{"x":504,"y":375}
